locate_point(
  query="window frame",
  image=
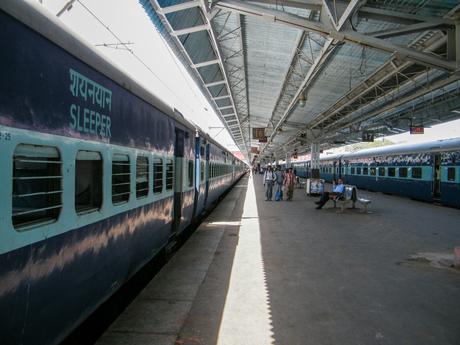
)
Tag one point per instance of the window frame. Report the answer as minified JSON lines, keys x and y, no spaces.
{"x":157,"y":190}
{"x":402,"y":172}
{"x":416,"y":175}
{"x":128,"y":174}
{"x":169,"y":162}
{"x":101,"y":160}
{"x":448,"y":176}
{"x":145,"y":191}
{"x":54,"y":158}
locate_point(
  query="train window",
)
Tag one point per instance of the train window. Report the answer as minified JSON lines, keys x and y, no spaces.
{"x":169,"y":174}
{"x":190,"y":173}
{"x":450,"y":174}
{"x":402,"y":172}
{"x":365,"y":171}
{"x":142,"y":176}
{"x":37,"y":185}
{"x":358,"y":171}
{"x":202,"y":171}
{"x":381,"y":171}
{"x":416,"y":172}
{"x":391,"y":171}
{"x":352,"y":170}
{"x":121,"y":174}
{"x":373,"y":171}
{"x":157,"y":175}
{"x":88,"y":181}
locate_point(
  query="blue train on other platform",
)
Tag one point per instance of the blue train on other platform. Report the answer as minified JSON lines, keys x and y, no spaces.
{"x":97,"y":177}
{"x":428,"y":171}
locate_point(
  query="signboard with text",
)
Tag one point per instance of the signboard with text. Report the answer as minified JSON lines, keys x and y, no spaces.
{"x":258,"y":133}
{"x":417,"y":130}
{"x":367,"y":137}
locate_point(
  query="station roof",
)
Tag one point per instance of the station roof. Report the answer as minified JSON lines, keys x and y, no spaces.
{"x":317,"y":71}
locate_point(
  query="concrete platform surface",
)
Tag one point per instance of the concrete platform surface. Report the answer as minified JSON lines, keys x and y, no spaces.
{"x":259,"y":272}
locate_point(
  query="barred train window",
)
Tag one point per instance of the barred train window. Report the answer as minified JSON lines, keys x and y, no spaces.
{"x":142,"y":176}
{"x":169,"y":174}
{"x":157,"y":175}
{"x":190,"y":173}
{"x":121,"y":183}
{"x":402,"y":172}
{"x":381,"y":171}
{"x":37,"y":185}
{"x":416,"y":172}
{"x":352,"y":170}
{"x":358,"y":171}
{"x":88,"y":181}
{"x":365,"y":171}
{"x":450,"y":174}
{"x":373,"y":171}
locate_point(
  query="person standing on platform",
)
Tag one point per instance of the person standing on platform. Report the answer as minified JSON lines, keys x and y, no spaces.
{"x":289,"y":181}
{"x":269,"y":179}
{"x":279,"y":181}
{"x":336,"y":192}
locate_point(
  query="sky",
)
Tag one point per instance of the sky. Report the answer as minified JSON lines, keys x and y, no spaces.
{"x":165,"y":76}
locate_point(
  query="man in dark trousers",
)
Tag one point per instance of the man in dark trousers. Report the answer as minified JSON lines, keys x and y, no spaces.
{"x":269,"y":179}
{"x":336,"y":192}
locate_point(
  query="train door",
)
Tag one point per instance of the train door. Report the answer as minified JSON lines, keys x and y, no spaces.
{"x":206,"y":176}
{"x":340,"y":169}
{"x":436,"y":176}
{"x":334,"y":171}
{"x":197,"y":174}
{"x":178,"y":179}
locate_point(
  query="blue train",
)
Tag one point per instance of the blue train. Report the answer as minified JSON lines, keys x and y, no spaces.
{"x":98,"y":176}
{"x":428,"y":171}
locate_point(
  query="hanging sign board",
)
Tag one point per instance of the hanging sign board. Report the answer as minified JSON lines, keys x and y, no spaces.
{"x":367,"y":137}
{"x":263,"y":140}
{"x":258,"y":133}
{"x":417,"y":130}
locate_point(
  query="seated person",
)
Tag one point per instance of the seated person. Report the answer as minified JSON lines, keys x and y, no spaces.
{"x":336,"y":192}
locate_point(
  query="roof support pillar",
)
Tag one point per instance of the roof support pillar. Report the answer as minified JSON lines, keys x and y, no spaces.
{"x":315,"y":156}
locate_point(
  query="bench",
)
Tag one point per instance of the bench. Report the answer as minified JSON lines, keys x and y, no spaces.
{"x":348,"y":197}
{"x":364,"y":203}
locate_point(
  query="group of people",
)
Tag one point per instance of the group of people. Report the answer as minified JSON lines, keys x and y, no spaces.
{"x":282,"y":180}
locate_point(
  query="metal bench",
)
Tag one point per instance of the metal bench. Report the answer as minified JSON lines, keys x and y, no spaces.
{"x":348,"y":197}
{"x":364,"y":203}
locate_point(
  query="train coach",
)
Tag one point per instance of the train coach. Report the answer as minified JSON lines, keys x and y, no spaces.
{"x":428,"y":171}
{"x":97,"y":177}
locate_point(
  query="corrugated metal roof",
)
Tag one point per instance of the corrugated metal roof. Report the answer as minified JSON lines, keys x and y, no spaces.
{"x":255,"y":60}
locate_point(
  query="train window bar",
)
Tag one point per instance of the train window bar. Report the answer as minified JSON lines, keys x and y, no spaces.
{"x":142,"y":176}
{"x":169,"y":174}
{"x":88,"y":181}
{"x":157,"y":175}
{"x":37,"y":186}
{"x":121,"y":175}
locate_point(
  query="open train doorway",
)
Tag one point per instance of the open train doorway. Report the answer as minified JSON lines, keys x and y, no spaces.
{"x":178,"y":180}
{"x":436,"y":176}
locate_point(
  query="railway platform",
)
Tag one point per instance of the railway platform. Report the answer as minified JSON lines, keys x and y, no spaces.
{"x":258,"y":272}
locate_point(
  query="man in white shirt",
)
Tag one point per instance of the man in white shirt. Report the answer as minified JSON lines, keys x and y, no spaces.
{"x":337,"y":191}
{"x":269,"y":178}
